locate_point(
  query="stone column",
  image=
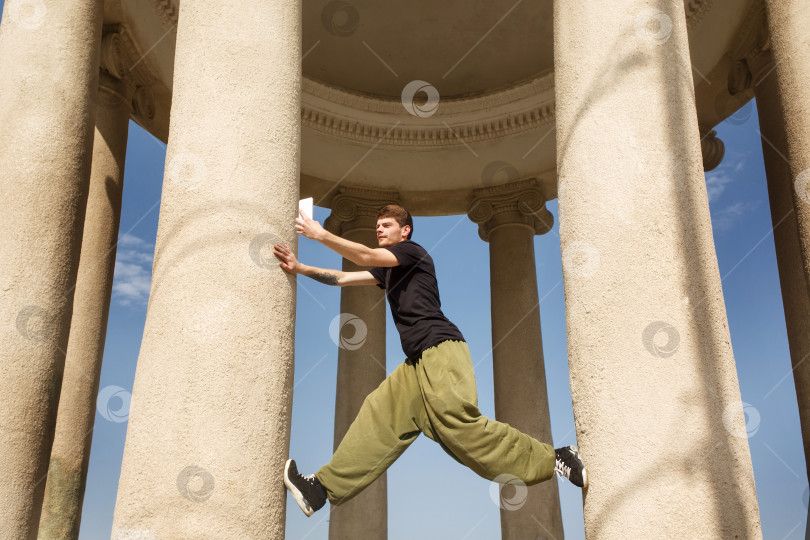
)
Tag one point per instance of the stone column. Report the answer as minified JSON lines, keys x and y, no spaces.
{"x":753,"y":71}
{"x":508,"y":217}
{"x":360,"y":338}
{"x":48,"y":77}
{"x":787,"y":22}
{"x":654,"y":387}
{"x":209,"y":421}
{"x":67,"y":472}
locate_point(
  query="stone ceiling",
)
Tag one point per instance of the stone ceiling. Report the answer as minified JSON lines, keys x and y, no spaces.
{"x":463,"y":47}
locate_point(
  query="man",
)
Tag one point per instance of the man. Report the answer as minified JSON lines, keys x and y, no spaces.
{"x":431,"y":392}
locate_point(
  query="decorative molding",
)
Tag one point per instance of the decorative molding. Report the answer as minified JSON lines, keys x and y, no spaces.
{"x":521,"y":202}
{"x":454,"y":135}
{"x":390,"y":106}
{"x":712,"y":149}
{"x":338,"y":113}
{"x":356,"y":208}
{"x":749,"y":35}
{"x":130,"y":64}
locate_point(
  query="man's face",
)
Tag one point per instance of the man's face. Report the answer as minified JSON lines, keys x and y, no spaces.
{"x":389,"y":232}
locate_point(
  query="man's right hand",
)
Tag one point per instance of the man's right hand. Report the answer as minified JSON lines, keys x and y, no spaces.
{"x":288,"y":261}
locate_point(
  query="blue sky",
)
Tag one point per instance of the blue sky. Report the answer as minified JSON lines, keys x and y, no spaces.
{"x":451,"y":501}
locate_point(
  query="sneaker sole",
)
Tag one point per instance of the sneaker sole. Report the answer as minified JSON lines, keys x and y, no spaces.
{"x":584,"y":469}
{"x":296,"y":493}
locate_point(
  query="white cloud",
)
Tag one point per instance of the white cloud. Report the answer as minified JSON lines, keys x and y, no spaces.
{"x":716,"y":182}
{"x":725,"y":219}
{"x":718,"y":179}
{"x":132,"y":241}
{"x":133,"y":271}
{"x":134,"y":256}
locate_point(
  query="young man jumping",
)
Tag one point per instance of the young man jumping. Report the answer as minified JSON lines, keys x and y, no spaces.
{"x":432,"y":392}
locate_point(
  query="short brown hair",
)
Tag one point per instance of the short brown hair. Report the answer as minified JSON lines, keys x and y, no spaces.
{"x":402,"y":216}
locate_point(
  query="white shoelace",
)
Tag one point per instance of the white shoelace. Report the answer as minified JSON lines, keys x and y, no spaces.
{"x":562,"y":470}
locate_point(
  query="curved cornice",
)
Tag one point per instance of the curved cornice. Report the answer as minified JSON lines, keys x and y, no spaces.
{"x":338,"y":113}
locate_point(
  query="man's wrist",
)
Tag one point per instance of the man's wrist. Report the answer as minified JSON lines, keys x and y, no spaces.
{"x":323,"y":234}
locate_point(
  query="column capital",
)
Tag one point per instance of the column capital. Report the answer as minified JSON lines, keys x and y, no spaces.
{"x":516,"y":203}
{"x":712,"y":149}
{"x":113,"y":92}
{"x":119,"y":79}
{"x":752,"y":58}
{"x":112,"y":58}
{"x":761,"y":63}
{"x":356,"y":208}
{"x":747,"y":72}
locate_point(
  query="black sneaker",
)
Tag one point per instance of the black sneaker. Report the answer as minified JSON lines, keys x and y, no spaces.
{"x":307,"y":491}
{"x":569,"y":465}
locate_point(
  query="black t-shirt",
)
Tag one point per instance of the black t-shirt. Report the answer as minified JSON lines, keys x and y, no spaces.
{"x":413,"y":295}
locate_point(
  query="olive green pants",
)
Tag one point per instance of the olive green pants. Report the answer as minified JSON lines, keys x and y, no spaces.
{"x":434,"y":395}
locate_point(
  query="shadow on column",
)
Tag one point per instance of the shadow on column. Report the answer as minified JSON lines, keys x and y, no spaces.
{"x":710,"y":316}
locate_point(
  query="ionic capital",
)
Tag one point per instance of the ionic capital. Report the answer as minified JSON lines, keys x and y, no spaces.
{"x":143,"y":103}
{"x":761,"y":63}
{"x":516,"y":203}
{"x":753,"y":55}
{"x":118,"y":83}
{"x":113,"y":92}
{"x":113,"y":56}
{"x":356,"y":208}
{"x":739,"y":77}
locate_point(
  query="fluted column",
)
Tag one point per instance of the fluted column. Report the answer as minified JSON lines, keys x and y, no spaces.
{"x":48,"y":77}
{"x":508,"y":217}
{"x":755,"y":70}
{"x":788,"y":21}
{"x":67,"y":471}
{"x":209,"y":421}
{"x":360,"y":338}
{"x":657,"y":405}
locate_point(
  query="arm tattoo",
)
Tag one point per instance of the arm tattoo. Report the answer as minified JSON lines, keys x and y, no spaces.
{"x":325,"y":278}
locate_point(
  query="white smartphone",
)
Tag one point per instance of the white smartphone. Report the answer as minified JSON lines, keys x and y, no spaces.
{"x":305,"y":205}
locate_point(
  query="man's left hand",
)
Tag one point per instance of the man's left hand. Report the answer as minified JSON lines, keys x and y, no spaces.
{"x":308,"y":227}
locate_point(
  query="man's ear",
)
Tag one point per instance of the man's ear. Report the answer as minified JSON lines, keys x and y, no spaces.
{"x":408,"y":228}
